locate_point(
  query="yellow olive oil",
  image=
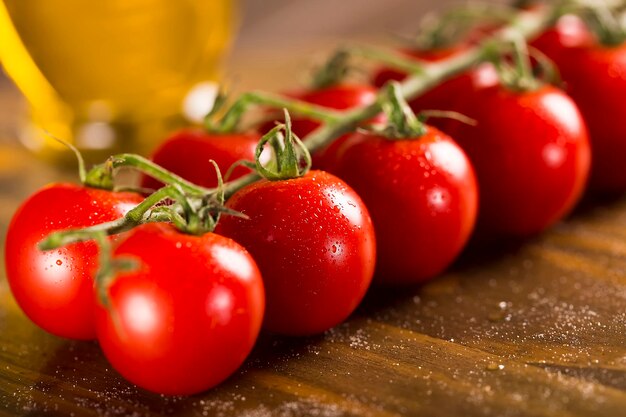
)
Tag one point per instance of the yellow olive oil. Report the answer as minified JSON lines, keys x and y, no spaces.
{"x":110,"y":73}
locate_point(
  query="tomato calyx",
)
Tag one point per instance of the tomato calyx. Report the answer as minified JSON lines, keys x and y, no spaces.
{"x":191,"y":208}
{"x":290,"y":157}
{"x":195,"y":210}
{"x":189,"y":214}
{"x":512,"y":61}
{"x":101,"y":176}
{"x":402,"y":123}
{"x":333,"y":71}
{"x":605,"y":23}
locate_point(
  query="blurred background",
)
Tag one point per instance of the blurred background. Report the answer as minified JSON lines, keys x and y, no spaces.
{"x":114,"y":73}
{"x":285,"y":22}
{"x":292,"y":36}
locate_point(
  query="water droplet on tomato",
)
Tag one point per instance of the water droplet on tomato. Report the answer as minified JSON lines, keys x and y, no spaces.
{"x":59,"y":262}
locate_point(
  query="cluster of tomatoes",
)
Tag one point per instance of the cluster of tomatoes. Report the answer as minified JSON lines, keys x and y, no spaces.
{"x":396,"y":208}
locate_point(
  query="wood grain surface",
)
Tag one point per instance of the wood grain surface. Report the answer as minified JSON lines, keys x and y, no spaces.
{"x":533,"y":328}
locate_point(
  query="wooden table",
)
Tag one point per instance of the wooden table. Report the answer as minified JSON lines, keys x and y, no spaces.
{"x":535,"y":328}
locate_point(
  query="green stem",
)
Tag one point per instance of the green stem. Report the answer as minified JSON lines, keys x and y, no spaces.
{"x":520,"y":55}
{"x":288,"y":153}
{"x":446,"y":114}
{"x":106,"y":272}
{"x":101,"y":176}
{"x":335,"y":70}
{"x":411,"y":87}
{"x":402,"y":122}
{"x":335,"y":124}
{"x":230,"y":120}
{"x":427,"y":75}
{"x":522,"y":78}
{"x":232,"y":187}
{"x":548,"y":71}
{"x":396,"y":60}
{"x":134,"y":217}
{"x":446,"y":29}
{"x":82,"y":172}
{"x":608,"y":27}
{"x":528,"y":24}
{"x":108,"y":268}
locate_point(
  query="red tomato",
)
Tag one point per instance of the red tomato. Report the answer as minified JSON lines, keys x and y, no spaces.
{"x":188,"y":152}
{"x":314,"y":242}
{"x":55,"y":288}
{"x":341,"y":96}
{"x":188,"y":317}
{"x":595,"y":77}
{"x":447,"y":94}
{"x":422,"y":196}
{"x":531,"y":155}
{"x":570,"y":31}
{"x":338,"y":97}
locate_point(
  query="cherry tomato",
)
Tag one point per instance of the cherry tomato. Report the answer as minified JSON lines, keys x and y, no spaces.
{"x":422,"y":196}
{"x":531,"y":155}
{"x":569,"y":31}
{"x":447,"y":94}
{"x":338,"y":97}
{"x":188,"y":317}
{"x":595,"y":77}
{"x":55,"y":288}
{"x":188,"y":152}
{"x":314,"y":243}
